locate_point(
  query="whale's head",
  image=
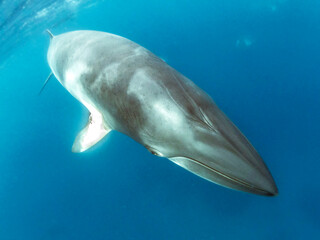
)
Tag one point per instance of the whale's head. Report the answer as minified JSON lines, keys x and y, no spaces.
{"x":224,"y":156}
{"x":216,"y":150}
{"x":217,"y":160}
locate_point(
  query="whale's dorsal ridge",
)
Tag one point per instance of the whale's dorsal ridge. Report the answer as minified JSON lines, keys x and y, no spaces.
{"x":50,"y":33}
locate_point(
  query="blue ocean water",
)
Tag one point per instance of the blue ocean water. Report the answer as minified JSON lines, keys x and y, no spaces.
{"x":258,"y":59}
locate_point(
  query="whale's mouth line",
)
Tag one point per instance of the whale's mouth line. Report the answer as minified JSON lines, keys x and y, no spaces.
{"x":234,"y":179}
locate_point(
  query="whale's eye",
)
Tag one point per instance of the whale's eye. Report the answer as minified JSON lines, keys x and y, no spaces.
{"x":154,"y":152}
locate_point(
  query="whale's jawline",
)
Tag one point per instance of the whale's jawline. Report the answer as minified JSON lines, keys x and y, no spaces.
{"x":210,"y":174}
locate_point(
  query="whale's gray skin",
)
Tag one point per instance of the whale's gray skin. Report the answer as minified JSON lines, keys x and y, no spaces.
{"x":128,"y":89}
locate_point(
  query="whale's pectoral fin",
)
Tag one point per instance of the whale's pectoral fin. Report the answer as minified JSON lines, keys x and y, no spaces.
{"x":93,"y":132}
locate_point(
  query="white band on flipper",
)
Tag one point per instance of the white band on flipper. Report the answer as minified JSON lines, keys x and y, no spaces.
{"x":93,"y":132}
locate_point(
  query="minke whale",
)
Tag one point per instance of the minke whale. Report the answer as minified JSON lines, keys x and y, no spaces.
{"x":127,"y":88}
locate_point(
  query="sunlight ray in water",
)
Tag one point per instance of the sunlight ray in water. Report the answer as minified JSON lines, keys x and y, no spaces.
{"x":19,"y":20}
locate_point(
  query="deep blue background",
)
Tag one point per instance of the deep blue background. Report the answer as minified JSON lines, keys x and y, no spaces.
{"x":118,"y":190}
